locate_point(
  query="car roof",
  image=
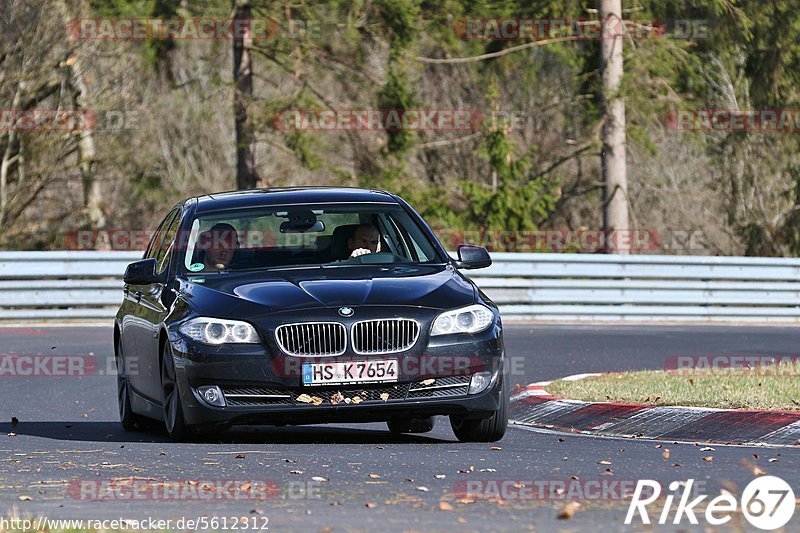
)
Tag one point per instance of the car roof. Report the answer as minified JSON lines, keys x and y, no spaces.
{"x":290,"y":195}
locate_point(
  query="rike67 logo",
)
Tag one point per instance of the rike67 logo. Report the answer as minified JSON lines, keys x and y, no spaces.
{"x":767,"y":503}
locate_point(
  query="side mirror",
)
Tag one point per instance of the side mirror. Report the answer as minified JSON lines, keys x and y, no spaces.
{"x":142,"y":273}
{"x":471,"y":256}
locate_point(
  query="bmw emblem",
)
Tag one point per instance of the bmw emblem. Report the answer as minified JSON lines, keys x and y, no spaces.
{"x":346,"y":311}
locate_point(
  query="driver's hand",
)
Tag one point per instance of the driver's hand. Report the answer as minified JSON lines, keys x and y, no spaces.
{"x":360,"y":251}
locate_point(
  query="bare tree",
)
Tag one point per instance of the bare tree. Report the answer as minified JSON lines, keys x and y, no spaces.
{"x":30,"y":75}
{"x":87,"y":151}
{"x":246,"y":173}
{"x":615,"y":179}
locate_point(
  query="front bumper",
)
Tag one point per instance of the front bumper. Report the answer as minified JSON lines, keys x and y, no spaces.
{"x":263,"y":388}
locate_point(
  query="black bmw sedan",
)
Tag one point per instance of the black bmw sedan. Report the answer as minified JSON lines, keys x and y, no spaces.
{"x":304,"y":306}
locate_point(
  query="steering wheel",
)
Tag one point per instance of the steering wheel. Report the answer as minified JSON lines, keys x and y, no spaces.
{"x":375,"y":258}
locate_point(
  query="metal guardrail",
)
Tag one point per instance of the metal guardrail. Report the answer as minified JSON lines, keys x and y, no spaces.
{"x":87,"y":285}
{"x":61,"y":285}
{"x":642,"y":288}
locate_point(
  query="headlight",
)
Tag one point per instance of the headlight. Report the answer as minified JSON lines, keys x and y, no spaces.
{"x":470,"y":319}
{"x":219,"y":331}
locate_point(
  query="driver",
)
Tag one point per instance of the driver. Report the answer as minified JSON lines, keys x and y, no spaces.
{"x":365,"y":240}
{"x":219,"y":244}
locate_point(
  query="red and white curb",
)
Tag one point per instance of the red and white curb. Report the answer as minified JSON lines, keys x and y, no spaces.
{"x":534,"y":406}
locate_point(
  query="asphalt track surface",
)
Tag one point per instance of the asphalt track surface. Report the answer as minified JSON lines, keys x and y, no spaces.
{"x":68,"y":434}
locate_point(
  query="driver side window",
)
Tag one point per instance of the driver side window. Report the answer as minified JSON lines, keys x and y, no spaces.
{"x":158,"y":236}
{"x":168,"y":243}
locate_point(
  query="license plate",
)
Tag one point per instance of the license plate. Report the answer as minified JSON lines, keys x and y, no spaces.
{"x":348,"y":372}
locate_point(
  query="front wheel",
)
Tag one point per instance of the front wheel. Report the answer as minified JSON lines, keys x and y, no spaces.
{"x":171,"y":399}
{"x":483,"y":430}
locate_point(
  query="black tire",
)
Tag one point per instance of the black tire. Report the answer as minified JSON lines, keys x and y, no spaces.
{"x":129,"y":420}
{"x":411,"y":425}
{"x":483,"y":430}
{"x":171,"y":399}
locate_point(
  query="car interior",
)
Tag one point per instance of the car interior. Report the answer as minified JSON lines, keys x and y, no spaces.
{"x":396,"y":245}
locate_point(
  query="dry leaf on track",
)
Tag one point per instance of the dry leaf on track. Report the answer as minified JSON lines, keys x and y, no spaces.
{"x":568,"y":511}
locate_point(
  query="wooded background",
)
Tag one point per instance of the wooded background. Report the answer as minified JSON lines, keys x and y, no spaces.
{"x":166,"y":116}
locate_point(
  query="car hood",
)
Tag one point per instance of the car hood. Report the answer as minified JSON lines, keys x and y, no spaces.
{"x":436,"y":286}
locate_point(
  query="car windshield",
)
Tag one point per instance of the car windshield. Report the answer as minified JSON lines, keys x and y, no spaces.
{"x":307,"y":235}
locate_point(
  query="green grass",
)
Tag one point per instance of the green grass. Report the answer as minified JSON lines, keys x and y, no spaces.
{"x":776,"y":387}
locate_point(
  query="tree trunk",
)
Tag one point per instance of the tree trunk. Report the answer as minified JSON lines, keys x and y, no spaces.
{"x":10,"y":156}
{"x":615,"y":179}
{"x":87,"y":151}
{"x":246,"y":173}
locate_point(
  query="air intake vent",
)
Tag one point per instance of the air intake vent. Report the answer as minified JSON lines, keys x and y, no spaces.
{"x":312,"y":338}
{"x":384,"y":336}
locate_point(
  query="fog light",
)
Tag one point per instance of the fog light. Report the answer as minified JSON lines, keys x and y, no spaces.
{"x":212,"y":395}
{"x":479,"y":382}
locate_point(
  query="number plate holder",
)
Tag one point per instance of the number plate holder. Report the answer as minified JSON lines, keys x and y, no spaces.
{"x":350,"y":372}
